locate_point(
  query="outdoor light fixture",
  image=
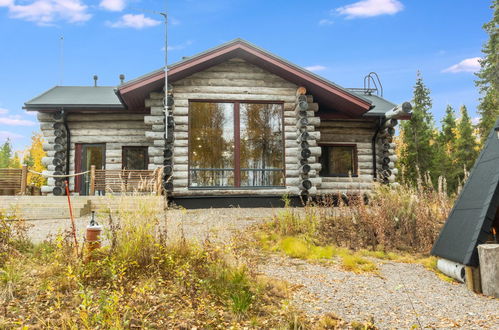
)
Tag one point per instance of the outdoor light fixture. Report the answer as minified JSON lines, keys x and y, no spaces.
{"x":497,"y":131}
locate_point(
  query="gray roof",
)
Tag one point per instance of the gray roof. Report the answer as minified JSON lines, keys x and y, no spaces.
{"x":76,"y":97}
{"x":470,"y":220}
{"x":381,"y":105}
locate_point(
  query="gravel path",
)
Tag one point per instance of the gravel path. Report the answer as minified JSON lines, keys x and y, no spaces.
{"x":215,"y":224}
{"x":404,"y":295}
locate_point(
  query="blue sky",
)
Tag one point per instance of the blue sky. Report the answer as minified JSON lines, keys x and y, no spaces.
{"x":341,"y":40}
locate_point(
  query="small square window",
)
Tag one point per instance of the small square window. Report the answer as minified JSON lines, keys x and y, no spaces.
{"x":135,"y":158}
{"x":338,"y":160}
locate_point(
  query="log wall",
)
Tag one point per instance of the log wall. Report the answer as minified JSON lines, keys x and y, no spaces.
{"x":359,"y":133}
{"x":239,"y":80}
{"x":114,"y":130}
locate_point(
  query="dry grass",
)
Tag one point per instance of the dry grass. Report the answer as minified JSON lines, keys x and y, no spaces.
{"x":397,"y":224}
{"x":139,"y":279}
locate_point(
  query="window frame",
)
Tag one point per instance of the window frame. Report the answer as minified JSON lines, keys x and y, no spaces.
{"x":355,"y":159}
{"x":123,"y":154}
{"x":237,"y":145}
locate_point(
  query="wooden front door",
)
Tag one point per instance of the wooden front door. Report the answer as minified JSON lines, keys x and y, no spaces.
{"x":88,"y":154}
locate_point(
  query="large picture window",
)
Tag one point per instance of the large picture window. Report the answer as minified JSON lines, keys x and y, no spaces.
{"x":338,"y":160}
{"x":235,"y":144}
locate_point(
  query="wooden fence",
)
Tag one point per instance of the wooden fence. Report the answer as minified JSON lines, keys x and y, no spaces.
{"x":124,"y":181}
{"x":13,"y":180}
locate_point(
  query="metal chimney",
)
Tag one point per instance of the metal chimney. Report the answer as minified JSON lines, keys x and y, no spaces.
{"x":95,"y":80}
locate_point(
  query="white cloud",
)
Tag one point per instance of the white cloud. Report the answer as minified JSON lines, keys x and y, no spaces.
{"x":47,"y":12}
{"x":16,"y":121}
{"x":316,"y":68}
{"x":466,"y":65}
{"x":370,"y":8}
{"x":4,"y":135}
{"x":325,"y":21}
{"x":134,"y":21}
{"x":3,"y":111}
{"x":179,"y":46}
{"x":112,"y":5}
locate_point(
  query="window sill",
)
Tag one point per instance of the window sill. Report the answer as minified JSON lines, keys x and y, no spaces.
{"x":339,"y":176}
{"x":237,"y":188}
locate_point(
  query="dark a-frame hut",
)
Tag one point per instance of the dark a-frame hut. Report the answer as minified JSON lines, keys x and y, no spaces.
{"x":476,"y":210}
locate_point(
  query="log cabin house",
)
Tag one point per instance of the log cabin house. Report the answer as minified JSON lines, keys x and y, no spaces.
{"x":242,"y":126}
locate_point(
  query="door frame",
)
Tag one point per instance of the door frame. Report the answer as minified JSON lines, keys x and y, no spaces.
{"x":79,"y":150}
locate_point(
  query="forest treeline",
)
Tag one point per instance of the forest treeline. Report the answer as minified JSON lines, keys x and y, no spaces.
{"x":451,"y":150}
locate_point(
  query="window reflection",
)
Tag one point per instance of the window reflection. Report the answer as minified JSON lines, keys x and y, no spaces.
{"x":214,"y":146}
{"x":211,"y":144}
{"x":261,"y":143}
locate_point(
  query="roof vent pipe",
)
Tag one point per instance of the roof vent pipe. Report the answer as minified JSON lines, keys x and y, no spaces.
{"x":122,"y":79}
{"x":95,"y":80}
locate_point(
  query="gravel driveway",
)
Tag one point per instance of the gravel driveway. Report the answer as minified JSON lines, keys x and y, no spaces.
{"x":404,"y":295}
{"x":215,"y":224}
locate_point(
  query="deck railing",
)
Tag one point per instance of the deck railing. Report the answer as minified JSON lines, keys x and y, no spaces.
{"x":13,"y":179}
{"x":120,"y":181}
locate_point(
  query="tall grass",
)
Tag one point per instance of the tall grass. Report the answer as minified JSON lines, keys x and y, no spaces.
{"x":138,"y":279}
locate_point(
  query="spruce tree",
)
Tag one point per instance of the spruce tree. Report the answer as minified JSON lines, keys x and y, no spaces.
{"x":418,"y":135}
{"x":446,"y":151}
{"x":488,"y":76}
{"x":5,"y":154}
{"x":466,"y":143}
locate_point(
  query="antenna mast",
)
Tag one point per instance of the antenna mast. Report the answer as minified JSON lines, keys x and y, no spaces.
{"x":61,"y":60}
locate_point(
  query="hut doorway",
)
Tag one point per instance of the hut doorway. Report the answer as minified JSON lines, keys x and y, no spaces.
{"x":87,"y":155}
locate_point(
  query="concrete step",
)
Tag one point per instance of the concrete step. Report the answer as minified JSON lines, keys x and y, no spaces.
{"x":56,"y":207}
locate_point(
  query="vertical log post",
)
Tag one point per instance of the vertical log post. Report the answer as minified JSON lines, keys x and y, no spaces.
{"x":92,"y":180}
{"x":159,"y":175}
{"x":24,"y":179}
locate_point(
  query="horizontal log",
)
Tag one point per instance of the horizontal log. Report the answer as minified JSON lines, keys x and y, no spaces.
{"x":180,"y":175}
{"x":346,"y":185}
{"x":343,"y":138}
{"x":118,"y":124}
{"x":180,"y":167}
{"x":47,"y":160}
{"x":254,"y":90}
{"x":288,"y":121}
{"x":180,"y":160}
{"x":181,"y":120}
{"x":180,"y":135}
{"x":105,"y":117}
{"x":181,"y":151}
{"x":153,"y":103}
{"x":358,"y":124}
{"x":158,"y":128}
{"x":180,"y":183}
{"x":154,"y":120}
{"x":314,"y":121}
{"x":227,"y":77}
{"x":242,"y":97}
{"x":233,"y":77}
{"x":158,"y":160}
{"x":44,"y":116}
{"x":155,"y":151}
{"x":113,"y":166}
{"x":107,"y":132}
{"x":180,"y":143}
{"x":154,"y":135}
{"x":180,"y":111}
{"x":157,"y":111}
